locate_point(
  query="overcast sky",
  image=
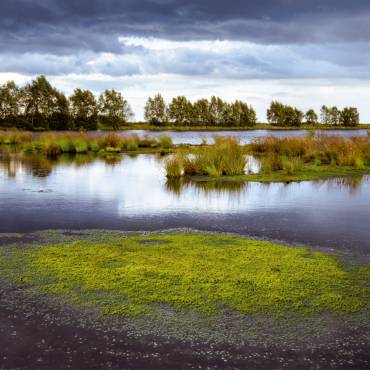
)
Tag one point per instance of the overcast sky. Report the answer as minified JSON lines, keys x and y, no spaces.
{"x":301,"y":52}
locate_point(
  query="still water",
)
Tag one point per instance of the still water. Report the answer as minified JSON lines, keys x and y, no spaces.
{"x":132,"y":193}
{"x":196,"y":137}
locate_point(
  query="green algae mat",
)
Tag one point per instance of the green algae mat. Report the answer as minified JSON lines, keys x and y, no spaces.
{"x":206,"y":273}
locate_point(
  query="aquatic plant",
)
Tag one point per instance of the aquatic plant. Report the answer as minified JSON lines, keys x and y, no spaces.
{"x":322,"y":150}
{"x":202,"y":272}
{"x":165,"y":142}
{"x":54,"y":144}
{"x":223,"y":158}
{"x":174,"y":166}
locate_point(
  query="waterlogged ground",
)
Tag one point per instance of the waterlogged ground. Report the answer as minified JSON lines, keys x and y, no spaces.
{"x":245,"y":137}
{"x":41,"y":327}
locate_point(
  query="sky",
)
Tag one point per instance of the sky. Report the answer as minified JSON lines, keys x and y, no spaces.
{"x":301,"y":52}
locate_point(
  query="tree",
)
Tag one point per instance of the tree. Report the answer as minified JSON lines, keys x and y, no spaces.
{"x":349,"y":116}
{"x":202,"y":113}
{"x":292,"y":116}
{"x":335,"y":116}
{"x":217,"y":111}
{"x":9,"y":102}
{"x":156,"y":111}
{"x":275,"y":114}
{"x":180,"y":110}
{"x":39,"y":99}
{"x":115,"y":110}
{"x":284,"y":115}
{"x":84,"y":109}
{"x":325,"y":115}
{"x":60,"y":119}
{"x":311,"y":117}
{"x":244,"y":115}
{"x":331,"y":116}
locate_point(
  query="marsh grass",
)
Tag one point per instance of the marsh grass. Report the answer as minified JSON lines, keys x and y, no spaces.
{"x":291,"y":155}
{"x":53,"y":145}
{"x":200,"y":272}
{"x":223,"y":158}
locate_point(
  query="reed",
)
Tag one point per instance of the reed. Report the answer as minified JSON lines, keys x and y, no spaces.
{"x":51,"y":144}
{"x":224,"y":158}
{"x":323,"y":150}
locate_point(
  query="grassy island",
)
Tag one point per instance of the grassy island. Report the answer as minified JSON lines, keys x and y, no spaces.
{"x":280,"y":159}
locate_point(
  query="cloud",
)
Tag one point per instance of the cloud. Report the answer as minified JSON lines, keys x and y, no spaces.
{"x":205,"y":43}
{"x":70,"y":25}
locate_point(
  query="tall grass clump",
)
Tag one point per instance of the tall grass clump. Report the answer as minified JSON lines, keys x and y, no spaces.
{"x":223,"y":158}
{"x":165,"y":142}
{"x":15,"y":137}
{"x":291,"y":153}
{"x":174,"y":166}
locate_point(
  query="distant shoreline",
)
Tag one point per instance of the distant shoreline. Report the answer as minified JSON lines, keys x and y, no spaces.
{"x":268,"y":127}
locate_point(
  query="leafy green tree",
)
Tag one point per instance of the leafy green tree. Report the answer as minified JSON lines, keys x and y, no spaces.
{"x":217,"y":111}
{"x":114,"y":109}
{"x":84,"y":109}
{"x":330,"y":116}
{"x":39,"y":99}
{"x":292,"y":116}
{"x":10,"y":96}
{"x":60,"y":119}
{"x":325,"y":115}
{"x":335,"y":116}
{"x":202,"y":113}
{"x":349,"y":116}
{"x":284,"y":115}
{"x":180,"y":110}
{"x":311,"y":117}
{"x":156,"y":111}
{"x":243,"y":115}
{"x":275,"y":114}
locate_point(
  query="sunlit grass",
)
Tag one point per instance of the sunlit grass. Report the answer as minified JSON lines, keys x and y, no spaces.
{"x":52,"y":144}
{"x":189,"y":271}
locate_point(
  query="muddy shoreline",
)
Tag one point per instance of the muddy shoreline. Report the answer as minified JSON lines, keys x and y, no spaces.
{"x":38,"y":332}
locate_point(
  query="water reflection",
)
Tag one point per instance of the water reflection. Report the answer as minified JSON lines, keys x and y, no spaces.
{"x":196,"y":137}
{"x":132,"y":193}
{"x":176,"y":185}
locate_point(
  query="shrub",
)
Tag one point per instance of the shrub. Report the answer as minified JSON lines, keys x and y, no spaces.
{"x":165,"y":142}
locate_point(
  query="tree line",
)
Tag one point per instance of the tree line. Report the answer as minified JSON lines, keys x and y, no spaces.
{"x":284,"y":115}
{"x":204,"y":112}
{"x":39,"y":105}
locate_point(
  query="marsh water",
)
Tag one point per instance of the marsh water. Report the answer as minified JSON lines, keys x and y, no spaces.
{"x":132,"y":193}
{"x":196,"y":137}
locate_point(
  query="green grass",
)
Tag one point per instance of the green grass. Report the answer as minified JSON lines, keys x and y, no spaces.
{"x":189,"y":271}
{"x":309,"y":172}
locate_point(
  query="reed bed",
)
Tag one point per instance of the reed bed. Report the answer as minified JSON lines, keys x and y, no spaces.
{"x":223,"y":158}
{"x":53,"y":145}
{"x":291,"y":154}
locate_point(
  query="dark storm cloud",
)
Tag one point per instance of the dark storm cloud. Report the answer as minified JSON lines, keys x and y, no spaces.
{"x":65,"y":26}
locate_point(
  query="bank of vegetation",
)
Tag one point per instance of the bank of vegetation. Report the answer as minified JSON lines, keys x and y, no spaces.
{"x":52,"y":145}
{"x":40,"y":106}
{"x":197,"y":272}
{"x":281,"y":159}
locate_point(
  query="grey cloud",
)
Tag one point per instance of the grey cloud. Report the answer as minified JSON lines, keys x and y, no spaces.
{"x":69,"y":25}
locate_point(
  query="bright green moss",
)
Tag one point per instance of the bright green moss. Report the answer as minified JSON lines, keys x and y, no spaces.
{"x":197,"y":271}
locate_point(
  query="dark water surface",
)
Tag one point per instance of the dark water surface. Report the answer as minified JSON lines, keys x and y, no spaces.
{"x":132,"y":193}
